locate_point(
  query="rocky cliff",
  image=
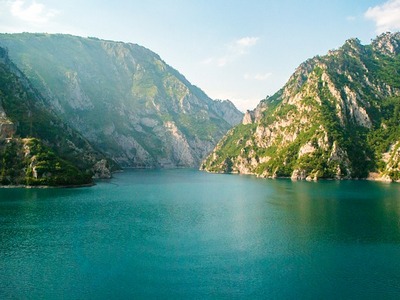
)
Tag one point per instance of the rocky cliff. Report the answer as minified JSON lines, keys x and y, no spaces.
{"x":123,"y":98}
{"x":36,"y":147}
{"x":338,"y":116}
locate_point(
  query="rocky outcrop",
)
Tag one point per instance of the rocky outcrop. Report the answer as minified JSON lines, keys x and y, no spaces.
{"x":248,"y":118}
{"x":336,"y":117}
{"x":101,"y":170}
{"x":123,"y":98}
{"x":387,"y":44}
{"x":7,"y":129}
{"x":227,"y":111}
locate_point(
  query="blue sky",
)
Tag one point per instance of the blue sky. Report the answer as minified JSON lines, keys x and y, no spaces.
{"x":237,"y":50}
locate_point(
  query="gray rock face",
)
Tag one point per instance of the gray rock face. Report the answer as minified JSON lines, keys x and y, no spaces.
{"x":227,"y":110}
{"x":387,"y":44}
{"x":124,"y":99}
{"x":7,"y":128}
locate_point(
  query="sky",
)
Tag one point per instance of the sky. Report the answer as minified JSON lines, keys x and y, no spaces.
{"x":237,"y":50}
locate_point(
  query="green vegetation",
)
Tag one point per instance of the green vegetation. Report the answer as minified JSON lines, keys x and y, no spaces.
{"x":386,"y":134}
{"x":230,"y":146}
{"x":389,"y":70}
{"x":11,"y":163}
{"x":43,"y":167}
{"x":29,"y":162}
{"x":197,"y":126}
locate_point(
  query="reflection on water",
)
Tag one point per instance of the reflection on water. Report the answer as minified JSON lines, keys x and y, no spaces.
{"x":187,"y":234}
{"x":346,"y":211}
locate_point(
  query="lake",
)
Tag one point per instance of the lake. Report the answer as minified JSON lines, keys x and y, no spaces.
{"x":185,"y":234}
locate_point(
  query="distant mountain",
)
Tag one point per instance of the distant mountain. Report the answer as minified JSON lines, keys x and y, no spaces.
{"x":36,"y":147}
{"x":123,"y":98}
{"x":338,"y":116}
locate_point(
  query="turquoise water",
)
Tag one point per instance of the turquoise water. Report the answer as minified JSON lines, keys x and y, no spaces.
{"x":184,"y":234}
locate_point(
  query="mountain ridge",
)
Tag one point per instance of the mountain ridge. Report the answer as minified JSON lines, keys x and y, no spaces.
{"x":123,"y":98}
{"x":336,"y":117}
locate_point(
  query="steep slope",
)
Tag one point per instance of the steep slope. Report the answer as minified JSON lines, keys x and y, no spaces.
{"x":338,"y":116}
{"x":36,"y":147}
{"x":123,"y":98}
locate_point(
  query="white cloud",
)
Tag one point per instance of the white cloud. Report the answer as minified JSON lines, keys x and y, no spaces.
{"x":32,"y":12}
{"x":385,"y":16}
{"x":233,"y":51}
{"x":247,"y":41}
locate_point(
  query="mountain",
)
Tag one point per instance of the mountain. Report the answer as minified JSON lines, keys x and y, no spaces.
{"x":36,"y":147}
{"x":338,"y":116}
{"x":123,"y":98}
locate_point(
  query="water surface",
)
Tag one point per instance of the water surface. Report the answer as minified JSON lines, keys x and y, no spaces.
{"x":192,"y":235}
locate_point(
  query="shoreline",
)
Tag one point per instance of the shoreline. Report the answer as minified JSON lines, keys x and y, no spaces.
{"x":369,"y":178}
{"x":373,"y":178}
{"x":72,"y":186}
{"x":23,"y":186}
